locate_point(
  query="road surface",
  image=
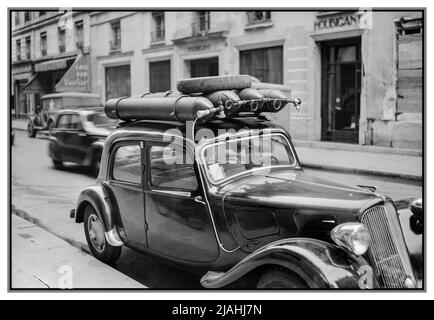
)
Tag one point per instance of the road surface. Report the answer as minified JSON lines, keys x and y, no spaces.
{"x":45,"y":196}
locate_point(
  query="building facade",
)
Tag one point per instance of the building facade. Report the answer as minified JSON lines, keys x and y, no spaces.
{"x":358,"y":73}
{"x":44,"y":47}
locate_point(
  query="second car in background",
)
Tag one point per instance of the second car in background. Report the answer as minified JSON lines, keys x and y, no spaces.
{"x":78,"y":137}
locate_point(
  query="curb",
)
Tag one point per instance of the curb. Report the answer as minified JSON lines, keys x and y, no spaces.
{"x":363,"y":171}
{"x":19,"y":129}
{"x":77,"y":244}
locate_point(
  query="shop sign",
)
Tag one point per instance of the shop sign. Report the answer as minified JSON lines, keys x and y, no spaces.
{"x":77,"y":77}
{"x":202,"y":47}
{"x":341,"y":21}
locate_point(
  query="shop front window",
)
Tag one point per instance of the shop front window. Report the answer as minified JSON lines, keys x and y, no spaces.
{"x":159,"y":76}
{"x":266,"y":64}
{"x":118,"y":81}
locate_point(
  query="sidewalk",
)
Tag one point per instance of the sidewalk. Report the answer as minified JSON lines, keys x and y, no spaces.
{"x":42,"y":260}
{"x":371,"y":163}
{"x":381,"y":161}
{"x":20,"y":124}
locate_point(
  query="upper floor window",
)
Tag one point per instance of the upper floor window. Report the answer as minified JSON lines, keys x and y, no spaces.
{"x":17,"y":18}
{"x":26,"y":16}
{"x":28,"y":47}
{"x":115,"y":43}
{"x":158,"y":26}
{"x":255,"y":17}
{"x":79,"y":35}
{"x":61,"y":36}
{"x":202,"y":25}
{"x":43,"y":44}
{"x":18,"y":52}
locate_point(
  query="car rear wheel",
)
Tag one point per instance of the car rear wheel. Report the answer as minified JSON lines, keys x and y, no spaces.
{"x":58,"y":164}
{"x":280,"y":279}
{"x":98,"y":245}
{"x":31,"y":131}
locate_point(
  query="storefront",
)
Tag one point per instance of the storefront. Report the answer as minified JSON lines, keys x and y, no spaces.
{"x":22,"y":103}
{"x":117,"y":81}
{"x":340,"y":90}
{"x":200,"y":53}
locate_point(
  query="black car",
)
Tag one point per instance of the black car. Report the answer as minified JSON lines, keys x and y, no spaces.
{"x":227,"y":197}
{"x":78,"y":137}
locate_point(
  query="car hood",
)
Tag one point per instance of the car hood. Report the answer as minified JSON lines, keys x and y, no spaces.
{"x":286,"y":189}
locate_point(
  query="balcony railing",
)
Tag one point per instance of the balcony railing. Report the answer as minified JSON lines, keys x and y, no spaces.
{"x":79,"y":44}
{"x":200,"y":28}
{"x":115,"y":44}
{"x":62,"y":48}
{"x":157,"y":35}
{"x":18,"y":57}
{"x":256,"y":17}
{"x":43,"y":52}
{"x":28,"y":55}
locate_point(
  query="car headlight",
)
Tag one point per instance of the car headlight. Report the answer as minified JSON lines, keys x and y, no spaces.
{"x":353,"y":237}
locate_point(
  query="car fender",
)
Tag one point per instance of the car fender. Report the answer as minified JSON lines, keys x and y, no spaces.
{"x":34,"y":120}
{"x":94,"y":148}
{"x":98,"y":197}
{"x":318,"y":263}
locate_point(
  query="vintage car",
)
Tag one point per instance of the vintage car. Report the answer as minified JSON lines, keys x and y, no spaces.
{"x":226,"y":197}
{"x":46,"y":115}
{"x":78,"y":136}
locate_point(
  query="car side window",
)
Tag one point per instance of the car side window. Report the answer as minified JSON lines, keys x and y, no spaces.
{"x":63,"y":121}
{"x":75,"y":122}
{"x":171,"y":168}
{"x":127,"y":164}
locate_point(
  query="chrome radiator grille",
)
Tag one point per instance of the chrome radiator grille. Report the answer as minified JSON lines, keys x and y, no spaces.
{"x":388,"y":253}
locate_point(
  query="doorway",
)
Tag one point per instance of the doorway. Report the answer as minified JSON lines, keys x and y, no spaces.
{"x":204,"y":67}
{"x":341,"y":79}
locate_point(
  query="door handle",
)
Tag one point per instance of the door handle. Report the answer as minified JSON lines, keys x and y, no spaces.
{"x":199,"y":199}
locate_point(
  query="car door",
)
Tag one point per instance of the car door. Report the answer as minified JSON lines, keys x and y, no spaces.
{"x":59,"y":134}
{"x":125,"y":181}
{"x":179,"y":224}
{"x":75,"y":139}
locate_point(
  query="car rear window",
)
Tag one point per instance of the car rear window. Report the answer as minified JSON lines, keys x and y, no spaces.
{"x":100,"y":120}
{"x":127,"y":164}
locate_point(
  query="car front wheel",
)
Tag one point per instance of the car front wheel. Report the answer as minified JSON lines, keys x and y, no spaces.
{"x":98,"y":245}
{"x":31,"y":131}
{"x":280,"y":279}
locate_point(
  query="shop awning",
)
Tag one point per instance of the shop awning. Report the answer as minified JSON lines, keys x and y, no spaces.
{"x":35,"y":84}
{"x":51,"y":65}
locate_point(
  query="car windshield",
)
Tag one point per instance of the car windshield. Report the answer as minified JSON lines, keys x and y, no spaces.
{"x":234,"y":157}
{"x":101,"y":120}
